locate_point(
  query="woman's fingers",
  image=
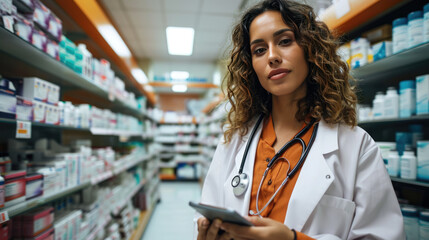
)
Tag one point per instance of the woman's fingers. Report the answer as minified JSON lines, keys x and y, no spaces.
{"x":203,"y":224}
{"x":213,"y":230}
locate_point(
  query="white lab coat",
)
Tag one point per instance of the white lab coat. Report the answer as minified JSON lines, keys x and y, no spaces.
{"x":343,"y":190}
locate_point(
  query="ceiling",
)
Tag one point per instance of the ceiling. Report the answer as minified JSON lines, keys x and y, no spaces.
{"x":142,"y":24}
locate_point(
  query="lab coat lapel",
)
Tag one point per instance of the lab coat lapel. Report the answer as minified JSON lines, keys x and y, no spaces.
{"x":314,"y":179}
{"x":241,"y":204}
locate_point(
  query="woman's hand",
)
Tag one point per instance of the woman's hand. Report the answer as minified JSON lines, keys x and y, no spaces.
{"x":207,"y":231}
{"x":264,"y":228}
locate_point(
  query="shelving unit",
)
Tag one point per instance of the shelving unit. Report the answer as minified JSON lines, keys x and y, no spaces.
{"x":389,"y":71}
{"x":178,"y":147}
{"x":21,"y":59}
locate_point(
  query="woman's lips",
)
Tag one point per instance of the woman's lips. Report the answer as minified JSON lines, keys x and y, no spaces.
{"x":278,"y":74}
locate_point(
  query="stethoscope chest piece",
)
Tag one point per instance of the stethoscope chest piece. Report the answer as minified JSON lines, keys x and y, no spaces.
{"x":239,"y":184}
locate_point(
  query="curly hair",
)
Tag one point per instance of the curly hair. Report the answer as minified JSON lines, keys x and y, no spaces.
{"x":329,"y":93}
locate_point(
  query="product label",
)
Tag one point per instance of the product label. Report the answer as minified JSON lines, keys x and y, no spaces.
{"x":426,"y":27}
{"x":1,"y":196}
{"x":14,"y":190}
{"x":39,"y":112}
{"x":400,"y":38}
{"x":40,"y":90}
{"x":52,"y":115}
{"x":42,"y":223}
{"x":34,"y":189}
{"x":23,"y":129}
{"x":7,"y":103}
{"x":415,"y":32}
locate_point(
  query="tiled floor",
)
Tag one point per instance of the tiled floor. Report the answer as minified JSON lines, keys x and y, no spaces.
{"x":172,"y":217}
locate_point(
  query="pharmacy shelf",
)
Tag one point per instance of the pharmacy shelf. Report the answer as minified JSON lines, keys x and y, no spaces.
{"x":393,"y":121}
{"x":409,"y":60}
{"x":410,"y":182}
{"x":130,"y":162}
{"x":19,"y":56}
{"x":115,"y":132}
{"x":94,"y":131}
{"x":99,"y":227}
{"x":143,"y":222}
{"x":30,"y":204}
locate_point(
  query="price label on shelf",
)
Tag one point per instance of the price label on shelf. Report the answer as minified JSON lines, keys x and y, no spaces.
{"x":4,"y":217}
{"x":23,"y":129}
{"x":8,"y":23}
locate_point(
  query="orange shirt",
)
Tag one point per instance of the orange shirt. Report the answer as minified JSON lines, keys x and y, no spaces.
{"x":278,"y":207}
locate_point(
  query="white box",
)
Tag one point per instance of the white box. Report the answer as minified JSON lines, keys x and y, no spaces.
{"x":39,"y":111}
{"x":422,"y":94}
{"x":53,"y":94}
{"x":423,"y":160}
{"x":382,"y":49}
{"x":52,"y":115}
{"x":35,"y":89}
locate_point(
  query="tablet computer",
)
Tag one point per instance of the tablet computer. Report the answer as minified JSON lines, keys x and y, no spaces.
{"x":224,"y":214}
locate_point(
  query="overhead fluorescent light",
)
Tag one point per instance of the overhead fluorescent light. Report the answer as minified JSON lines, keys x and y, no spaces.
{"x":115,"y":41}
{"x":180,"y":40}
{"x":179,"y":88}
{"x":179,"y":75}
{"x":139,"y":75}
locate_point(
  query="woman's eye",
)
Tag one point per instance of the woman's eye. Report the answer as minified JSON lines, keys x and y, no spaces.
{"x":285,"y":41}
{"x":258,"y":51}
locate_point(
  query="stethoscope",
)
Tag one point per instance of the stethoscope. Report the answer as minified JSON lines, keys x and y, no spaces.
{"x":240,"y":182}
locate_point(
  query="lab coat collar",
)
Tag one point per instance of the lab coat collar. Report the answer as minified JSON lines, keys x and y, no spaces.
{"x":314,"y":179}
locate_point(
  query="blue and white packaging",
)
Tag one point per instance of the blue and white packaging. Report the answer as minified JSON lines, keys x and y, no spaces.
{"x":399,"y":34}
{"x":407,"y":98}
{"x":426,"y":23}
{"x":382,"y":49}
{"x":422,"y":94}
{"x":415,"y":28}
{"x":39,"y":111}
{"x":423,"y":160}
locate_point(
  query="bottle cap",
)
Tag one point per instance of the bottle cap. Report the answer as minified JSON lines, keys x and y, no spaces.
{"x":426,"y":8}
{"x":415,"y":15}
{"x":399,"y":22}
{"x":407,"y":84}
{"x":409,"y":212}
{"x":424,"y":215}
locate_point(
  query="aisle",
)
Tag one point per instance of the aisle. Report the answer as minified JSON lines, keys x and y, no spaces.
{"x":173,"y":218}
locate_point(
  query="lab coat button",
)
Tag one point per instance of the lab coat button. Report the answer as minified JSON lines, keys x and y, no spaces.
{"x":328,"y":176}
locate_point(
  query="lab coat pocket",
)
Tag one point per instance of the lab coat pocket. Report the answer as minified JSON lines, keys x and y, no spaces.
{"x":332,"y":214}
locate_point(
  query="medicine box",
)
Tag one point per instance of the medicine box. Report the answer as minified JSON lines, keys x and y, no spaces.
{"x":39,"y":111}
{"x":33,"y":186}
{"x":382,"y":50}
{"x":423,"y":160}
{"x":422,"y":94}
{"x":7,"y":99}
{"x":14,"y":187}
{"x":52,"y":115}
{"x":24,"y":109}
{"x":53,"y":93}
{"x":381,"y":33}
{"x":35,"y":89}
{"x":37,"y":222}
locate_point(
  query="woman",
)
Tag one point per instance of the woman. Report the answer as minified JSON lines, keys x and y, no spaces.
{"x":285,"y":79}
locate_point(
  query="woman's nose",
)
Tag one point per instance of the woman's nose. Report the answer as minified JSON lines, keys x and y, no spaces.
{"x":274,"y":56}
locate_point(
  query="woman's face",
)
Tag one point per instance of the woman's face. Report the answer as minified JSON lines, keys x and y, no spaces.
{"x":278,"y":60}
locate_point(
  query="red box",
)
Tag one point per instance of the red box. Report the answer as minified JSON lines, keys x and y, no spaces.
{"x":36,"y":222}
{"x":47,"y":235}
{"x":15,"y":186}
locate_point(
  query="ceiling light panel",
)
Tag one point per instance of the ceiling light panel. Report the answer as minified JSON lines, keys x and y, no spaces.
{"x":180,"y":40}
{"x":115,"y":41}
